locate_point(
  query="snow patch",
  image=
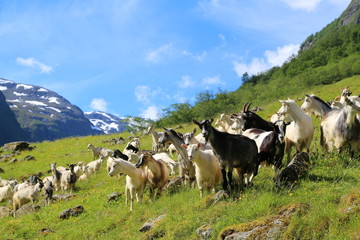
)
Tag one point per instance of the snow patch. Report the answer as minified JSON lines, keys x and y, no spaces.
{"x":36,"y":103}
{"x":53,"y":100}
{"x":55,"y":109}
{"x":24,"y":86}
{"x":3,"y":88}
{"x":42,"y":90}
{"x":20,"y":94}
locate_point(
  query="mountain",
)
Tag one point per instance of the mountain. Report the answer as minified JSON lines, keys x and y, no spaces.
{"x":43,"y":114}
{"x":10,"y":129}
{"x":106,"y":122}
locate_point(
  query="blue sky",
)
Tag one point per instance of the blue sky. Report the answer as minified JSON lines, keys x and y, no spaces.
{"x":137,"y":57}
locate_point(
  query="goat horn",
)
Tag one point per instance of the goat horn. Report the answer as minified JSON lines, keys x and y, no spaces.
{"x":244,"y":106}
{"x":248,"y":106}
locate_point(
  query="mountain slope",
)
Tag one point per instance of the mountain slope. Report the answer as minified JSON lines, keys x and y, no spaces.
{"x":44,"y":114}
{"x":106,"y":122}
{"x":10,"y":129}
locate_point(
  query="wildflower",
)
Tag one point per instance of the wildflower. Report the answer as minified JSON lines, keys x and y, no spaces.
{"x":290,"y":194}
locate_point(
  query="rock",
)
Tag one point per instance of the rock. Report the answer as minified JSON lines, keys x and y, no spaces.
{"x":174,"y":185}
{"x":13,"y":161}
{"x":204,"y":232}
{"x":6,"y":157}
{"x":63,"y":196}
{"x":28,"y":158}
{"x":45,"y":231}
{"x":114,"y":197}
{"x":5,"y":212}
{"x":269,"y":228}
{"x":27,"y":209}
{"x":151,"y":223}
{"x":219,"y":196}
{"x":17,"y":146}
{"x":72,"y":212}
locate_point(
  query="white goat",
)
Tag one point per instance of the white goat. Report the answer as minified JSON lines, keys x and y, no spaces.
{"x":28,"y":194}
{"x":85,"y":174}
{"x":135,"y":180}
{"x":300,"y":132}
{"x":79,"y":169}
{"x":94,"y":166}
{"x":169,"y":162}
{"x":207,"y":167}
{"x":4,"y":182}
{"x":95,"y":150}
{"x":68,"y":179}
{"x":340,"y":128}
{"x":6,"y":192}
{"x":56,"y":176}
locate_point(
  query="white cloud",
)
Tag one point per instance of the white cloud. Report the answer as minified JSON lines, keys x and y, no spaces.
{"x":156,"y":55}
{"x":197,"y":56}
{"x":31,"y":62}
{"x":142,"y":94}
{"x":186,"y":82}
{"x":212,"y":81}
{"x":271,"y":59}
{"x":152,"y":112}
{"x":99,"y":104}
{"x":307,"y":5}
{"x":278,"y":57}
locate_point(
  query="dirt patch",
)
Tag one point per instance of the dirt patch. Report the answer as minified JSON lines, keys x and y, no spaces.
{"x":268,"y":228}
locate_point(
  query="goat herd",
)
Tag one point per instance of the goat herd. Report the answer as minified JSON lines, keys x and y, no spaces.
{"x":240,"y":142}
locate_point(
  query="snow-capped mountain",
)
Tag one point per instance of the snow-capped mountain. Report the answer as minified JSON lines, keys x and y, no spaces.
{"x":44,"y":114}
{"x":106,"y":122}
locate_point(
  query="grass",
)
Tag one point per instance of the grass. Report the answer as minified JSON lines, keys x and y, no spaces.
{"x":331,"y":187}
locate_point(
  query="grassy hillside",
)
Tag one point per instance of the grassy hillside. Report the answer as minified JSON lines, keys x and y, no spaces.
{"x":331,"y":194}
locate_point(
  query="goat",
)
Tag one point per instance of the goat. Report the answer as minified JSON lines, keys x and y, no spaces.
{"x":297,"y":168}
{"x":169,"y":162}
{"x":233,"y":151}
{"x":315,"y":105}
{"x":157,"y":173}
{"x":132,"y":148}
{"x":186,"y":168}
{"x":7,"y":192}
{"x":117,"y":154}
{"x":56,"y":176}
{"x":79,"y":169}
{"x":299,"y":133}
{"x":68,"y":178}
{"x":136,"y":179}
{"x":95,"y":150}
{"x":94,"y":166}
{"x":4,"y":182}
{"x":155,"y":138}
{"x":340,"y":128}
{"x":28,"y":194}
{"x":207,"y":167}
{"x":270,"y":146}
{"x":48,"y":190}
{"x":86,"y":173}
{"x":250,"y":119}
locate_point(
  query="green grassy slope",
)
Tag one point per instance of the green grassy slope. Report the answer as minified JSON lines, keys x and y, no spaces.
{"x":332,"y":177}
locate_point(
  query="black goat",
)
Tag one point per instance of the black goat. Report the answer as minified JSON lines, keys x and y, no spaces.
{"x":234,"y":151}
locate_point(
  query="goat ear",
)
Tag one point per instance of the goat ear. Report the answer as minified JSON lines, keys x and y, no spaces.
{"x":196,"y":122}
{"x":184,"y":146}
{"x":211,"y":120}
{"x":194,"y":131}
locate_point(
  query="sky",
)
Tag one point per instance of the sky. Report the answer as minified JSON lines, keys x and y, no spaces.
{"x":138,"y":57}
